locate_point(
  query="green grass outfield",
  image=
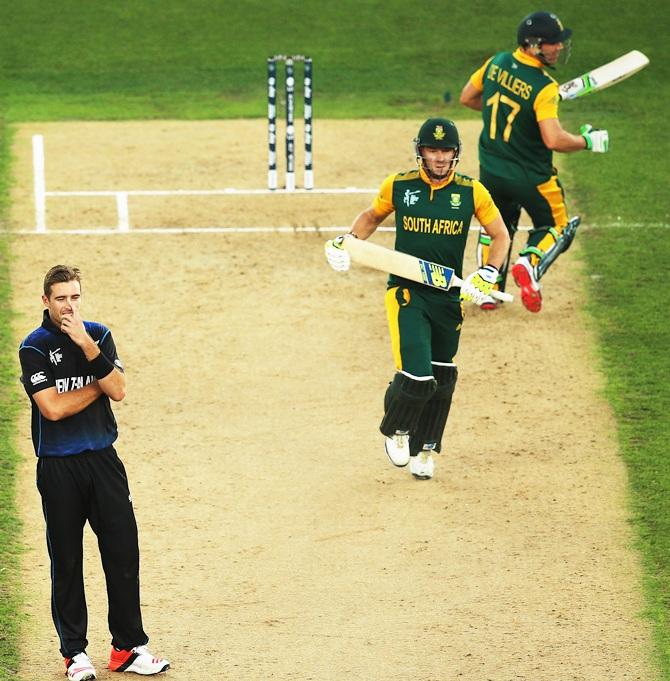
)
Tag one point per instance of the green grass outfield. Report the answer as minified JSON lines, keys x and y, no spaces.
{"x":205,"y":59}
{"x":10,"y":587}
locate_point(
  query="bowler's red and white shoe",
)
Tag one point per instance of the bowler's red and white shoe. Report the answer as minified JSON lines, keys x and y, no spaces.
{"x":138,"y":660}
{"x":79,"y":668}
{"x":523,"y":274}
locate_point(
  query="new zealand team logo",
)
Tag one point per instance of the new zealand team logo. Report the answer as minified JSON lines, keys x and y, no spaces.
{"x":55,"y":356}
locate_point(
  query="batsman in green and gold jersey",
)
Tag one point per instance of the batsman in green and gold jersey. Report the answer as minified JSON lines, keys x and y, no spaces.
{"x":433,"y":208}
{"x":518,"y":98}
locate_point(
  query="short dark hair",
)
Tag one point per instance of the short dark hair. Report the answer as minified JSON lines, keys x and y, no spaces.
{"x":60,"y":274}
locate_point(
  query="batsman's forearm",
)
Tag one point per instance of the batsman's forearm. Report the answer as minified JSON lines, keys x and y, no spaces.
{"x":558,"y":139}
{"x":366,"y":223}
{"x":498,"y":250}
{"x":568,"y":142}
{"x":471,"y":97}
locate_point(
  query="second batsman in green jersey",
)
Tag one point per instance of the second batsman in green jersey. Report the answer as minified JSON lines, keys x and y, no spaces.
{"x":518,"y":98}
{"x":433,"y":206}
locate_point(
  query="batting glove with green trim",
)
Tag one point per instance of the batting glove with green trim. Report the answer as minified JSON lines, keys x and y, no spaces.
{"x":337,"y":257}
{"x":596,"y":140}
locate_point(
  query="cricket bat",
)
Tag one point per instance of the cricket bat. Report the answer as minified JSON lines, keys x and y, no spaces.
{"x":407,"y":266}
{"x":604,"y":76}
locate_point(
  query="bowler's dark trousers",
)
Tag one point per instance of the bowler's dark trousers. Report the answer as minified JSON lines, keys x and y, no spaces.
{"x":91,"y":486}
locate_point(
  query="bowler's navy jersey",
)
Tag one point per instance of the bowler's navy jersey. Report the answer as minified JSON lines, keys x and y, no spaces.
{"x":49,"y":358}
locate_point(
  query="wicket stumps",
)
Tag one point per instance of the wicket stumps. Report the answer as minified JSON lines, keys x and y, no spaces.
{"x":289,"y":78}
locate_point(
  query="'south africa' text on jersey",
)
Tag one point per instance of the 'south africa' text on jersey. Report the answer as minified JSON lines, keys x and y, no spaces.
{"x":411,"y":223}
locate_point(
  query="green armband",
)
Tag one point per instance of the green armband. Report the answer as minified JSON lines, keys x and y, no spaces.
{"x":101,"y":366}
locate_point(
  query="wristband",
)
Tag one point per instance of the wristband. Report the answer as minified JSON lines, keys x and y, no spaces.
{"x":101,"y":366}
{"x":489,"y":274}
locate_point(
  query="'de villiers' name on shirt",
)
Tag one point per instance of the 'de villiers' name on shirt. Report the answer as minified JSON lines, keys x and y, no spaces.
{"x":516,"y":85}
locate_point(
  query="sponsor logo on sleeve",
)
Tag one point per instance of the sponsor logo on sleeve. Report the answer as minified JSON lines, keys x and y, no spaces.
{"x":37,"y":378}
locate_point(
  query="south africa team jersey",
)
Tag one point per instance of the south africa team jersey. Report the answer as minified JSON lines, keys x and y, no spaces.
{"x":517,"y":92}
{"x":49,"y":358}
{"x":433,"y":220}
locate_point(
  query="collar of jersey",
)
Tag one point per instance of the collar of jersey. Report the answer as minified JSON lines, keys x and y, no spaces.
{"x":527,"y":59}
{"x":434,"y":186}
{"x":48,"y":324}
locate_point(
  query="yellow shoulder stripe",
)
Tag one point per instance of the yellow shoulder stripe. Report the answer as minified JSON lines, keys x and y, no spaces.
{"x":463,"y":180}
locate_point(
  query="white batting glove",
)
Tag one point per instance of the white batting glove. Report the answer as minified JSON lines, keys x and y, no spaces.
{"x":596,"y":140}
{"x":478,"y":286}
{"x":337,"y":257}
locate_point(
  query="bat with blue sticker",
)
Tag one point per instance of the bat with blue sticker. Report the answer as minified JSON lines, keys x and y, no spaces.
{"x":407,"y":266}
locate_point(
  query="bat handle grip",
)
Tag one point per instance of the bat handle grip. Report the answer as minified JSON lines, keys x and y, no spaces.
{"x":503,"y":296}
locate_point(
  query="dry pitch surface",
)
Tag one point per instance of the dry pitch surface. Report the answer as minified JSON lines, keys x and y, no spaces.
{"x":277,"y":541}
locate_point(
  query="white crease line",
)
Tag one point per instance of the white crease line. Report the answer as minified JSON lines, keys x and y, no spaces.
{"x":213,"y":192}
{"x":207,"y":230}
{"x":104,"y":231}
{"x":194,"y":230}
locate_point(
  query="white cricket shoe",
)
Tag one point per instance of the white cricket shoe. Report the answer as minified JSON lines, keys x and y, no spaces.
{"x":422,"y":465}
{"x":79,"y":668}
{"x":138,"y":660}
{"x":397,"y":448}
